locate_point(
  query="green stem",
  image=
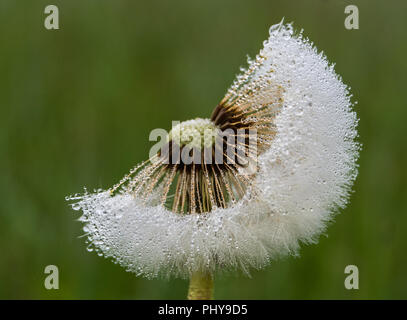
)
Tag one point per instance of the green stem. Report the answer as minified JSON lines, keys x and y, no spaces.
{"x":200,"y":286}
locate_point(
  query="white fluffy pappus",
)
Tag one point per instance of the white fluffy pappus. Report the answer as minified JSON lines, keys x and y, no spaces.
{"x":303,"y":178}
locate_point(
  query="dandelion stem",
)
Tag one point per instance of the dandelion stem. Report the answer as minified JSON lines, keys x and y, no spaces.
{"x":200,"y":286}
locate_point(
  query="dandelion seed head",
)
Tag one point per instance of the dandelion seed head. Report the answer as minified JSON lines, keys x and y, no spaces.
{"x":227,"y":218}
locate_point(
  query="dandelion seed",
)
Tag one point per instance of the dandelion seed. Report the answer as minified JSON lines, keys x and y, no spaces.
{"x":199,"y":206}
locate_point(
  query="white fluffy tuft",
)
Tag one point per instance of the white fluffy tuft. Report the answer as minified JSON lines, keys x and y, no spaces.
{"x":304,"y":177}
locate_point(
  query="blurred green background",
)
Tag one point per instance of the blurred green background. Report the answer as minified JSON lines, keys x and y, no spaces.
{"x":77,"y":105}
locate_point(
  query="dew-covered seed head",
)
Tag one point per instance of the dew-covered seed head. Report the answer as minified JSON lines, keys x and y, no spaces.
{"x":175,"y":218}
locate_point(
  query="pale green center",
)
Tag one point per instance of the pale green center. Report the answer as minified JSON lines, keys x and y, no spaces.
{"x":198,"y":133}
